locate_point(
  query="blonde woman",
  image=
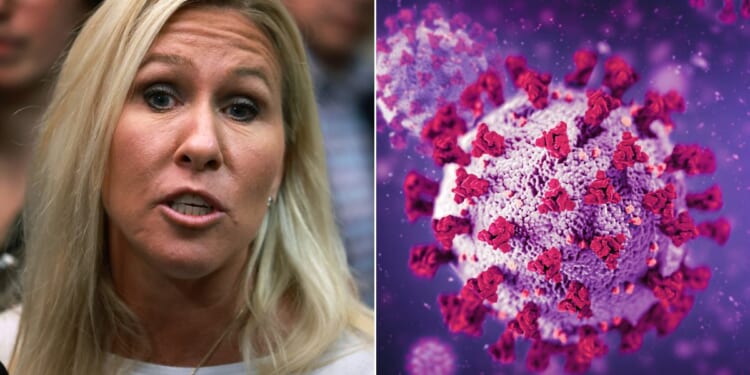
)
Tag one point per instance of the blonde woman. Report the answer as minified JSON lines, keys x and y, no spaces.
{"x":178,"y":219}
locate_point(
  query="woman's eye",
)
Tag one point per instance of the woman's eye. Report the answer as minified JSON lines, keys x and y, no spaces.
{"x":242,"y":109}
{"x":160,"y":97}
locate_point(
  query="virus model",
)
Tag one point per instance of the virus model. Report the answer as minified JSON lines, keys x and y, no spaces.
{"x":564,"y":211}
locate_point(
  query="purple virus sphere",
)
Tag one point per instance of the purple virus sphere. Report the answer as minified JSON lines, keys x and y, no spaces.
{"x":424,"y":65}
{"x":430,"y":356}
{"x":564,"y":211}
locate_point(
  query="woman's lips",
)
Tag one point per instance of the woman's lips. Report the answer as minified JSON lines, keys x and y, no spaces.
{"x":193,"y":197}
{"x":192,"y":208}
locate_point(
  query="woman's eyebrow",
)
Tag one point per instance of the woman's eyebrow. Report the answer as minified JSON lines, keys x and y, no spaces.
{"x":168,"y":59}
{"x":171,"y":59}
{"x":252,"y":72}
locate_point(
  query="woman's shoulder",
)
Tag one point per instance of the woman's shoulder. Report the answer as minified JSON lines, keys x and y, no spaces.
{"x":8,"y":331}
{"x":351,"y":354}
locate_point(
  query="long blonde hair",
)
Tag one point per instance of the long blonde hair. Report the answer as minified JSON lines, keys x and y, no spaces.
{"x":297,"y":268}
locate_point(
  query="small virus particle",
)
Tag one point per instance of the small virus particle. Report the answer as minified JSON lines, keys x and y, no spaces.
{"x":430,"y":356}
{"x":434,"y":65}
{"x":564,"y":212}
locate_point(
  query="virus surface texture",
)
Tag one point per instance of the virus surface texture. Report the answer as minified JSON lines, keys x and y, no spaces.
{"x":565,"y":213}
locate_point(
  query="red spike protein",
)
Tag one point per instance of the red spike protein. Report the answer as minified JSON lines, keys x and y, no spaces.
{"x":565,"y":210}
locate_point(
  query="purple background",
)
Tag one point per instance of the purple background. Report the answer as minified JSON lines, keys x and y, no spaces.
{"x":670,"y":45}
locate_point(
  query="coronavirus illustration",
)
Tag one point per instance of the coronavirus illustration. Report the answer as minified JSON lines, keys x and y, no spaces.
{"x":565,"y":211}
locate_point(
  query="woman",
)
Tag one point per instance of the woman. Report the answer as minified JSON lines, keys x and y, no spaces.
{"x":178,"y":217}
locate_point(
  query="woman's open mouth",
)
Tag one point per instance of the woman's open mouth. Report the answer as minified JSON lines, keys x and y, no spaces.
{"x":191,"y":210}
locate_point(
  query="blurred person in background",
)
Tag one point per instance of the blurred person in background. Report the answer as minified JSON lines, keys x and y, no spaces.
{"x":33,"y":34}
{"x":339,"y":34}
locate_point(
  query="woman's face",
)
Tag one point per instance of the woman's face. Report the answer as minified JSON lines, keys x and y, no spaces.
{"x":32,"y":35}
{"x":198,"y":148}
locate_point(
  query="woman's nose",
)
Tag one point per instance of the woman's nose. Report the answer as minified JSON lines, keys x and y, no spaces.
{"x":201,"y":146}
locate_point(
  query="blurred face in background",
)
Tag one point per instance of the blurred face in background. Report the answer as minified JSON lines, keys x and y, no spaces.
{"x":333,"y":28}
{"x":33,"y":33}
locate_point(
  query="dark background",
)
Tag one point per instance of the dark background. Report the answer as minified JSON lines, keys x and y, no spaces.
{"x":671,"y":45}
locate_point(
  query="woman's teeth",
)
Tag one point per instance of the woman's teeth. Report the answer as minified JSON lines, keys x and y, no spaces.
{"x":191,"y":204}
{"x":187,"y":209}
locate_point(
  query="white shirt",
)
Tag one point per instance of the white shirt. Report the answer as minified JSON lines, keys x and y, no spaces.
{"x":8,"y":331}
{"x":355,"y":356}
{"x":360,"y":362}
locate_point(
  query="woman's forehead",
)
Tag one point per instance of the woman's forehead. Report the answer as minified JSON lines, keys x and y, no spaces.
{"x":230,"y":33}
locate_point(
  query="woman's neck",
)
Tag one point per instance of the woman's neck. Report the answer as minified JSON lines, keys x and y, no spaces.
{"x":183,"y":320}
{"x":205,"y":337}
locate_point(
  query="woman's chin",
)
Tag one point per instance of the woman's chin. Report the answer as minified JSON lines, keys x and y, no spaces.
{"x":185,"y":266}
{"x":193,"y":261}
